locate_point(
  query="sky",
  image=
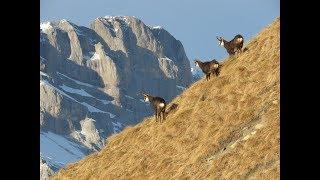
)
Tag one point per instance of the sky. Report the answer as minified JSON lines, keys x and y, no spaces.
{"x":196,"y":23}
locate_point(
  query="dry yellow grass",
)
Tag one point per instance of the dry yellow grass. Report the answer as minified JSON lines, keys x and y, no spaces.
{"x":226,"y":128}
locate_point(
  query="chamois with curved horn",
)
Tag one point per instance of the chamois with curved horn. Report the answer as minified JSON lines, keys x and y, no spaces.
{"x":209,"y":67}
{"x":233,"y":46}
{"x":158,"y":104}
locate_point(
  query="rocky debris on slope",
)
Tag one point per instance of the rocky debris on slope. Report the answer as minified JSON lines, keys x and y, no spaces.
{"x":90,"y":77}
{"x":224,"y":128}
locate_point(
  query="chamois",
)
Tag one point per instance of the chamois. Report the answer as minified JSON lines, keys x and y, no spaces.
{"x":209,"y":67}
{"x":233,"y":46}
{"x":159,"y":105}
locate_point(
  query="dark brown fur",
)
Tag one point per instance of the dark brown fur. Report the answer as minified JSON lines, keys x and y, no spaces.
{"x":155,"y":102}
{"x":232,"y":46}
{"x":209,"y":68}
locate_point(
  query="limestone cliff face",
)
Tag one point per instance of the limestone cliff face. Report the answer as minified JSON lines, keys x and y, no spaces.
{"x":90,"y":78}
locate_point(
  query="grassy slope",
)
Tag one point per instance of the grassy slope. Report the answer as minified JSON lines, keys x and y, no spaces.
{"x":226,"y":128}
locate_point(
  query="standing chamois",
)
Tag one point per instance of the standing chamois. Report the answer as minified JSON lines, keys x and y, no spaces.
{"x":209,"y":67}
{"x":159,"y":106}
{"x":233,"y":46}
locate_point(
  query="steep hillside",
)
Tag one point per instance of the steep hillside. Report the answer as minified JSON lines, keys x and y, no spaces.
{"x":226,"y":128}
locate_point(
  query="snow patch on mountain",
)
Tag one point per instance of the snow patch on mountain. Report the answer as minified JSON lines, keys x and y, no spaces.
{"x":59,"y":150}
{"x":76,"y":81}
{"x":89,"y":107}
{"x":122,"y":18}
{"x":45,"y":26}
{"x":156,"y":27}
{"x":95,"y":56}
{"x":81,"y":92}
{"x":129,"y":97}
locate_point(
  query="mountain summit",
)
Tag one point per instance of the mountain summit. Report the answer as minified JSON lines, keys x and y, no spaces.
{"x":224,"y":128}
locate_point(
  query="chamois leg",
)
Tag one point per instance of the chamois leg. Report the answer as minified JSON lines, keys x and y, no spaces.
{"x":163,"y":115}
{"x":217,"y":72}
{"x":156,"y":115}
{"x":235,"y":50}
{"x":159,"y":118}
{"x":239,"y":50}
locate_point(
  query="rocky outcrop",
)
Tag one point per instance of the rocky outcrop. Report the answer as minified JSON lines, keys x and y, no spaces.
{"x":91,"y":78}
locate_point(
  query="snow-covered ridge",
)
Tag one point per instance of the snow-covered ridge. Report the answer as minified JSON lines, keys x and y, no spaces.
{"x":45,"y":26}
{"x":156,"y":27}
{"x":112,"y":18}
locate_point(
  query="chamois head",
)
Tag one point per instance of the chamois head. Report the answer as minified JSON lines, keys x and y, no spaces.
{"x":220,"y":39}
{"x":196,"y":62}
{"x":145,"y":97}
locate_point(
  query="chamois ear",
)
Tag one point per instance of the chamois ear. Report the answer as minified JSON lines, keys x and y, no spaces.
{"x":196,"y":62}
{"x":144,"y":94}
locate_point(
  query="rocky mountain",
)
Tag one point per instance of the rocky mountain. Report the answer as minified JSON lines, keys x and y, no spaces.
{"x":91,"y":79}
{"x":224,"y":128}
